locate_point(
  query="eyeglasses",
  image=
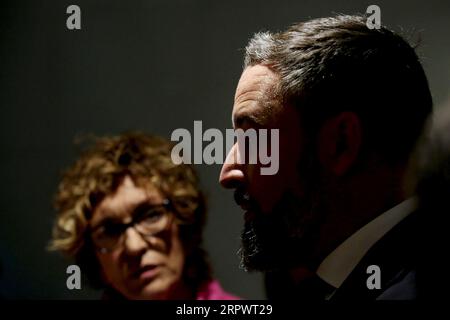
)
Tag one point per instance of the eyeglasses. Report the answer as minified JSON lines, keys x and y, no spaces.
{"x":148,"y":221}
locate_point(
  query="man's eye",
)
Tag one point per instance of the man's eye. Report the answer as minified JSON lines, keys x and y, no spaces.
{"x":244,"y":128}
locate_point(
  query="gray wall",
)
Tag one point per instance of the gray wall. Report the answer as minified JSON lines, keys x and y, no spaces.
{"x":149,"y":65}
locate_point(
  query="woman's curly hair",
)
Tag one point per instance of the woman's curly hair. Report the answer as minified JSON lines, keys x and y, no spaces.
{"x":98,"y":173}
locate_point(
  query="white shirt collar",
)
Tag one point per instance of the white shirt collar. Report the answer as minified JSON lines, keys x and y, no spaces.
{"x":338,"y":265}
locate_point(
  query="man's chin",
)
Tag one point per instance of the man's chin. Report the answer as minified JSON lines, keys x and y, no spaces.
{"x":260,"y":251}
{"x":270,"y":244}
{"x":271,"y":259}
{"x":256,"y":262}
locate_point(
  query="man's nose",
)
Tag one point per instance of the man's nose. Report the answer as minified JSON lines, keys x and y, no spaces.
{"x":134,"y":243}
{"x":232,"y":174}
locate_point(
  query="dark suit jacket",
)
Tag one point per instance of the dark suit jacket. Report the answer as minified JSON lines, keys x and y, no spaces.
{"x":397,"y":255}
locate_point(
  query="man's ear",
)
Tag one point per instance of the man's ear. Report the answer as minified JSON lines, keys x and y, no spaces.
{"x":340,"y":142}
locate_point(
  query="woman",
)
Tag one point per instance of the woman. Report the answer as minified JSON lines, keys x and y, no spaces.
{"x":133,"y":220}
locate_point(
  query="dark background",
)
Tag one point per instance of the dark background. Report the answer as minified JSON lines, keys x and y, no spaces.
{"x":148,"y":65}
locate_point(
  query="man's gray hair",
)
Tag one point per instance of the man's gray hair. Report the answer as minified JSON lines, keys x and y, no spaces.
{"x":335,"y":64}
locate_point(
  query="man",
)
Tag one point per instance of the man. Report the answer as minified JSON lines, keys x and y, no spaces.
{"x":349,"y":103}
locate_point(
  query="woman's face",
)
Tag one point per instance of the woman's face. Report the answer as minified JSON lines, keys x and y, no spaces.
{"x":140,"y":267}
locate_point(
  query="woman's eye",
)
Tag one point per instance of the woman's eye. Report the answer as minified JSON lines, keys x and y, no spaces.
{"x":183,"y":204}
{"x":153,"y":215}
{"x":112,"y":229}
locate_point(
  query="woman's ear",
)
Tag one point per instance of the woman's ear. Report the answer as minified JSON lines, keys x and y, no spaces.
{"x":339,"y":142}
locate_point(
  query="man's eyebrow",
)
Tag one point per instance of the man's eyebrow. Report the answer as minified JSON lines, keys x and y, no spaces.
{"x":240,"y":120}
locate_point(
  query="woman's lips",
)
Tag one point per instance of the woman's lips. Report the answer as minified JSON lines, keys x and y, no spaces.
{"x":147,"y":272}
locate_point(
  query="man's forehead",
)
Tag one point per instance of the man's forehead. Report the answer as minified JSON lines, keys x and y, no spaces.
{"x":251,"y":92}
{"x":254,"y":80}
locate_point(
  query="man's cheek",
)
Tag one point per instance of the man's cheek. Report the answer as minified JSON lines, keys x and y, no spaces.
{"x":268,"y":192}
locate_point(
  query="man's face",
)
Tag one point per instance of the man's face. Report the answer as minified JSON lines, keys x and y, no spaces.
{"x":278,"y":208}
{"x":139,"y":268}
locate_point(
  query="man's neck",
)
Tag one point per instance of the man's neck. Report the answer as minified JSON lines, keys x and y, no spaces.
{"x":338,"y":265}
{"x":354,"y":204}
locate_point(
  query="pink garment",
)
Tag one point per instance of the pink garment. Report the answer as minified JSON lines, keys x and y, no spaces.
{"x":212,"y":290}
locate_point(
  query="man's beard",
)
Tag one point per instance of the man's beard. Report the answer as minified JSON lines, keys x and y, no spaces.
{"x":285,"y":237}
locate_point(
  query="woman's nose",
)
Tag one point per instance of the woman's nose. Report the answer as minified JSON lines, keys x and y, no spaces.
{"x":134,"y":243}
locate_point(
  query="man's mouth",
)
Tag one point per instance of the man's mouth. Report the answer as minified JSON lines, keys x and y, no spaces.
{"x":249,"y":216}
{"x":243,"y":199}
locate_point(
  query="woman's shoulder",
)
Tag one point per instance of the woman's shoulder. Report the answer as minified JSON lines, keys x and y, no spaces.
{"x":212,"y":290}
